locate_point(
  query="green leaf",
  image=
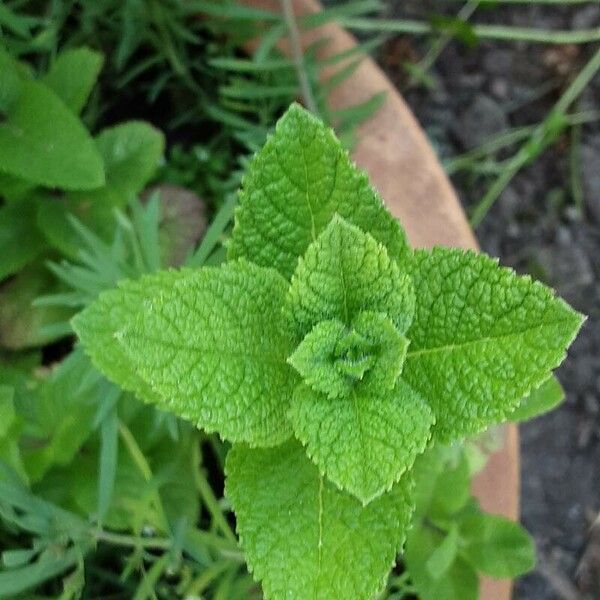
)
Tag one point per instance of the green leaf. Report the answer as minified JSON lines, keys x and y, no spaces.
{"x":443,"y":556}
{"x":52,"y":562}
{"x":344,"y":272}
{"x":541,"y":400}
{"x":131,"y":152}
{"x":43,"y":142}
{"x":59,"y":415}
{"x":23,"y":325}
{"x":17,"y":225}
{"x":302,"y":537}
{"x":481,"y":339}
{"x":73,"y":75}
{"x":97,"y":325}
{"x":7,"y":409}
{"x":459,"y":581}
{"x":210,"y":344}
{"x":496,"y":546}
{"x":442,"y":483}
{"x":365,"y":441}
{"x":11,"y":81}
{"x":294,"y":186}
{"x":109,"y":454}
{"x":333,"y":358}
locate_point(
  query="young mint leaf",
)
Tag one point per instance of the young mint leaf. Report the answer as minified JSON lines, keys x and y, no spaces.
{"x":496,"y":546}
{"x":541,"y":400}
{"x":481,"y":338}
{"x":364,"y":441}
{"x":344,"y":272}
{"x":42,"y":142}
{"x":73,"y":75}
{"x":97,"y":325}
{"x":333,"y":358}
{"x":323,"y":362}
{"x":458,"y":582}
{"x":294,"y":186}
{"x":211,"y":345}
{"x":303,"y":538}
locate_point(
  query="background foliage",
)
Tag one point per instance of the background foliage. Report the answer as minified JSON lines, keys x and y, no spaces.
{"x":101,"y":496}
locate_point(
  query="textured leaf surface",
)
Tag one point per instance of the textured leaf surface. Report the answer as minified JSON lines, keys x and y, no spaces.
{"x":333,"y":358}
{"x":365,"y":441}
{"x":344,"y":272}
{"x":302,"y":537}
{"x":295,"y":184}
{"x":213,"y":345}
{"x":73,"y":75}
{"x":481,"y":338}
{"x":97,"y":325}
{"x":43,"y":142}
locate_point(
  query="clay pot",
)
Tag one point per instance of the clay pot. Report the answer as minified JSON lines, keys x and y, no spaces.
{"x":401,"y":164}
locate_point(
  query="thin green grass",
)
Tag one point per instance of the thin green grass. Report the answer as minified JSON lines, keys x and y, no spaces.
{"x":543,"y":135}
{"x":483,"y":32}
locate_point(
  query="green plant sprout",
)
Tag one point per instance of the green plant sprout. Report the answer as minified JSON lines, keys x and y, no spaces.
{"x":331,"y":355}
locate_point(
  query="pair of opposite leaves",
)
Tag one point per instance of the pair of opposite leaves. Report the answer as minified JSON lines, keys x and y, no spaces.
{"x":388,"y":346}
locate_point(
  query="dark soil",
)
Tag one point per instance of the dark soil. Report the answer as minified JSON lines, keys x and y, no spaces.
{"x":535,"y":227}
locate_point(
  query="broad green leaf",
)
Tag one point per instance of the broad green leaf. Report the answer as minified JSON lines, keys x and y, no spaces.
{"x":344,"y":272}
{"x":541,"y":400}
{"x":365,"y":441}
{"x":59,"y":415}
{"x":97,"y":325}
{"x":43,"y":142}
{"x":11,"y":81}
{"x":73,"y":75}
{"x":210,"y":344}
{"x":294,"y":186}
{"x":496,"y":546}
{"x":20,"y":240}
{"x":131,"y":152}
{"x":302,"y":537}
{"x":482,"y":338}
{"x":459,"y":581}
{"x":333,"y":358}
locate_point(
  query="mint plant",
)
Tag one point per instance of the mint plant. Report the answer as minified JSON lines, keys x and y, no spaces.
{"x":330,"y":354}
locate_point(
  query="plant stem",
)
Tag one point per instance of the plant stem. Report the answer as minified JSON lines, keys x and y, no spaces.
{"x":508,"y":138}
{"x":130,"y":541}
{"x":464,"y":14}
{"x":298,"y":56}
{"x":140,"y":460}
{"x":209,"y":498}
{"x":490,"y":32}
{"x":538,"y":140}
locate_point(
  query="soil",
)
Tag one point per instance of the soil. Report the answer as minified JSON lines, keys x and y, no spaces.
{"x":535,"y":227}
